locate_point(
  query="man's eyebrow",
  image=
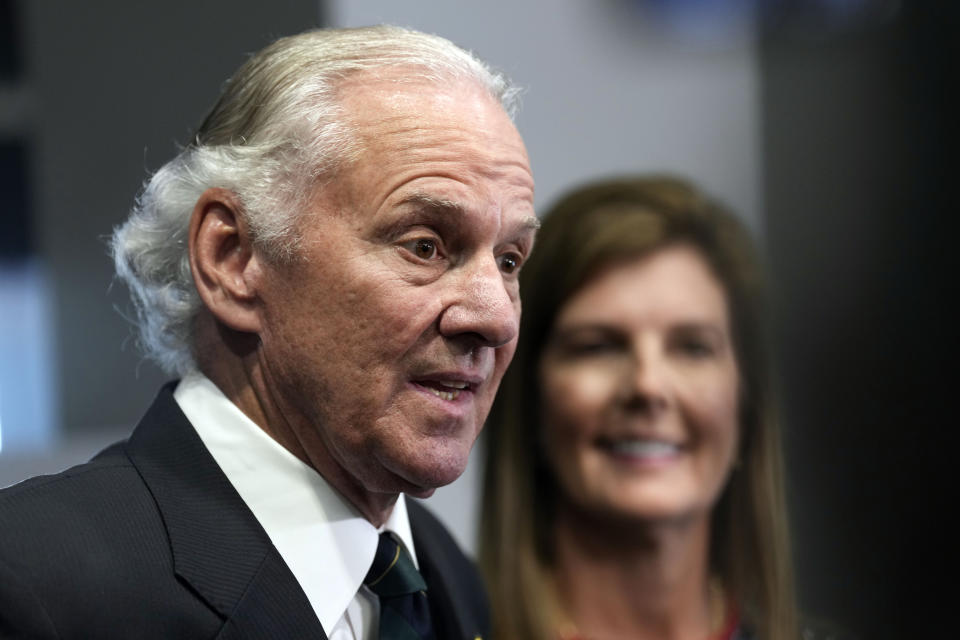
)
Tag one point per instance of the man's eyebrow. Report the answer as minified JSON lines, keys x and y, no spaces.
{"x":433,"y":202}
{"x":449,"y":206}
{"x":530,"y":222}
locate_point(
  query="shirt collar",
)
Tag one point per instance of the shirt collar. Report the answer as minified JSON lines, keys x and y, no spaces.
{"x":323,"y":539}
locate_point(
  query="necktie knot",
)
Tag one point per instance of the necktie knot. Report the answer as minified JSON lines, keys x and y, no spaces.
{"x":392,"y":573}
{"x":404,"y":611}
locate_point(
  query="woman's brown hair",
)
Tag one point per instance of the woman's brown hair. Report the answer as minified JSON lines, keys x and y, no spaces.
{"x":589,"y":229}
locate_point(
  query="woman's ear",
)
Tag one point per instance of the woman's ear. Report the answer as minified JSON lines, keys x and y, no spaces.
{"x":225,"y":267}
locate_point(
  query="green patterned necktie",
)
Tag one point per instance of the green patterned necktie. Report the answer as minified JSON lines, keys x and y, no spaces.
{"x":404,"y":611}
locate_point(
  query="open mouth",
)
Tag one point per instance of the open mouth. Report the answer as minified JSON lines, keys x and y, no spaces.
{"x":447,"y":390}
{"x":644,"y":448}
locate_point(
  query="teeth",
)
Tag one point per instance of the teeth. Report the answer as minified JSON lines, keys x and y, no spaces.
{"x":455,"y":385}
{"x":645,"y":448}
{"x":446,"y":395}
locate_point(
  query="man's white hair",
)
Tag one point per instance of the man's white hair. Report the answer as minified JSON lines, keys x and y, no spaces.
{"x":277,"y":131}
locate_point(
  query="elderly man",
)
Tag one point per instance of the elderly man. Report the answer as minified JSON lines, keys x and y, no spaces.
{"x":331,"y":269}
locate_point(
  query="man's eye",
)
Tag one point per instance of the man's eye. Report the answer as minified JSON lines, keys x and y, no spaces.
{"x":423,"y":248}
{"x":509,"y":263}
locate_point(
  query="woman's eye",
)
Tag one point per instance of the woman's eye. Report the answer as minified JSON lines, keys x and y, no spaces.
{"x":591,"y":348}
{"x":695,"y":348}
{"x":587,"y":348}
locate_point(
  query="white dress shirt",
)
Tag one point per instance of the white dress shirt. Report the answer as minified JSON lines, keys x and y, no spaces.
{"x":323,"y":539}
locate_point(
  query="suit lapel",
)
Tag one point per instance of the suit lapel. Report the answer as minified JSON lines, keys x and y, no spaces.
{"x":218,"y":546}
{"x":273,"y":606}
{"x":444,"y":608}
{"x":452,"y":611}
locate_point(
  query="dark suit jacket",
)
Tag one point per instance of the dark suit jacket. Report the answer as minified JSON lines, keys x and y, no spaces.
{"x":150,"y":540}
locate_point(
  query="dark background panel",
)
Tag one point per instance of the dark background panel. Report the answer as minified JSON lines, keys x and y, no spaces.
{"x":116,"y":86}
{"x":15,"y":222}
{"x":858,"y":133}
{"x":10,"y":46}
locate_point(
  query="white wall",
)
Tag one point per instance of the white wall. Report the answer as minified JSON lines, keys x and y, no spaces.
{"x":607,"y":93}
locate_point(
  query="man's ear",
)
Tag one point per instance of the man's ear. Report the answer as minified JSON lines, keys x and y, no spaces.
{"x":225,"y":268}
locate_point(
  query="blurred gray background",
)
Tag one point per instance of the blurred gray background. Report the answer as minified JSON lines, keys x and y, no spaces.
{"x":825,"y":124}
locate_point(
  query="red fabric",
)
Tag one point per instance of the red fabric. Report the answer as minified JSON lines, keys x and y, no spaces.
{"x":730,"y":625}
{"x":726,"y":633}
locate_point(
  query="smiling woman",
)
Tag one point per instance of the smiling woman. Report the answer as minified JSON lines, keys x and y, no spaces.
{"x":639,"y":391}
{"x":634,"y":483}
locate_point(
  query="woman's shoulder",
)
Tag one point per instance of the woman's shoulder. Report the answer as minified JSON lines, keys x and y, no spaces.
{"x":819,"y":629}
{"x":810,"y":629}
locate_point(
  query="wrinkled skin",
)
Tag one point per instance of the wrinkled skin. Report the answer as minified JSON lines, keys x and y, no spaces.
{"x":381,"y":349}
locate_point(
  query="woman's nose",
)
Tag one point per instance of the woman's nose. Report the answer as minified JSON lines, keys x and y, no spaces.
{"x":645,"y":380}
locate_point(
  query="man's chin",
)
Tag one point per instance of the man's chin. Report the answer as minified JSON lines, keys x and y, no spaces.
{"x":422,"y":481}
{"x":420,"y":493}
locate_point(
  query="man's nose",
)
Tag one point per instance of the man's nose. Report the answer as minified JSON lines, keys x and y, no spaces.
{"x":480,"y":306}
